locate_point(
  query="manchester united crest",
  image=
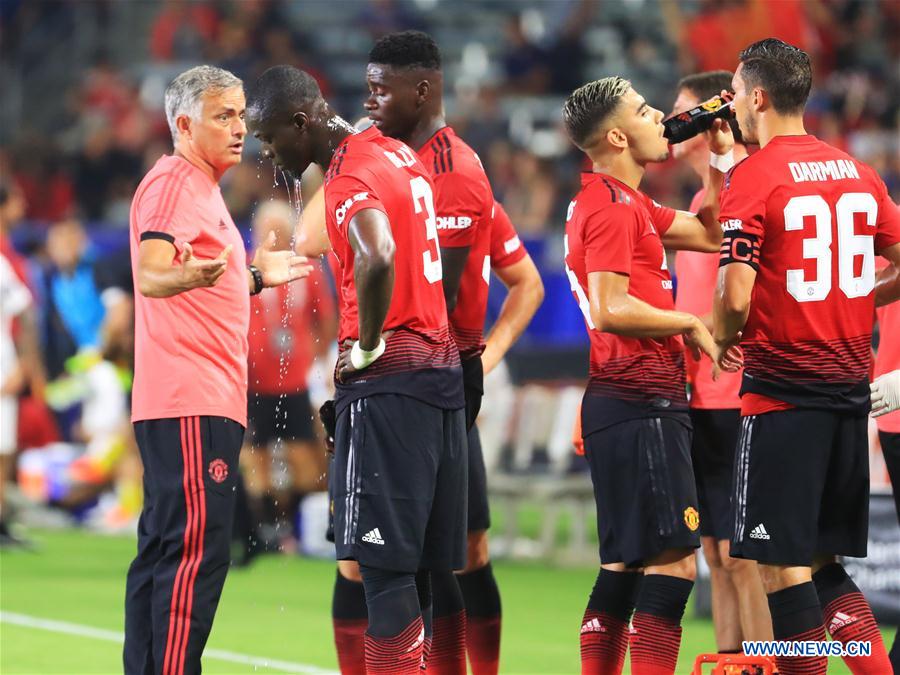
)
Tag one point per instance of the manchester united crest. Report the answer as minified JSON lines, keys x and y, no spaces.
{"x":691,"y":518}
{"x":218,"y":470}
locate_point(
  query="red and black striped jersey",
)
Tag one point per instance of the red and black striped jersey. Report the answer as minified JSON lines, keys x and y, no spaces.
{"x":464,"y":205}
{"x":612,"y":228}
{"x":370,"y":171}
{"x":809,"y":219}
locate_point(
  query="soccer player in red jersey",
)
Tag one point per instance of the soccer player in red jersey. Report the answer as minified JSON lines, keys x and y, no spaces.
{"x":405,"y":81}
{"x":636,"y":429}
{"x":797,"y":289}
{"x":189,"y":400}
{"x":399,"y":475}
{"x":739,"y":604}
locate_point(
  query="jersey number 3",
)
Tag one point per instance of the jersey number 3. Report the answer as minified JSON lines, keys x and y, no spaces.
{"x":849,"y":245}
{"x":424,"y":203}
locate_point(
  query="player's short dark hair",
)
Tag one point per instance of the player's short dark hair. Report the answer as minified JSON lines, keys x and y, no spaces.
{"x":407,"y":49}
{"x":782,"y":70}
{"x":282,"y":89}
{"x":590,"y":105}
{"x":708,"y":84}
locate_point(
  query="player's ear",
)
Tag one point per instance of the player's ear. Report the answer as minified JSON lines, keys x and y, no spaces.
{"x":300,"y":121}
{"x":423,"y":89}
{"x":760,"y":98}
{"x":617,"y":138}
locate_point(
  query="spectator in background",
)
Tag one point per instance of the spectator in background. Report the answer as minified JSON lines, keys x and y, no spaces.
{"x":524,"y":63}
{"x":290,"y":326}
{"x":76,"y":289}
{"x":530,"y":198}
{"x":183,"y":31}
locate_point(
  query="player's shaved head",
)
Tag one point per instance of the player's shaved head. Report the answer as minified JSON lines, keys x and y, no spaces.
{"x":782,"y":70}
{"x":280,"y":91}
{"x":407,"y":49}
{"x":590,"y":106}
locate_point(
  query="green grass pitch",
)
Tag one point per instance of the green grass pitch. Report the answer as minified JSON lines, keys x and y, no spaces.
{"x":278,"y":609}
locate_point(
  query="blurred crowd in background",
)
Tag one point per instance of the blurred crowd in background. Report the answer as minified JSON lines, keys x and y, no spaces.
{"x":81,"y":121}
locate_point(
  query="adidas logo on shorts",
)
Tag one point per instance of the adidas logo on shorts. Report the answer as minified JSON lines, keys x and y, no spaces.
{"x":593,"y":626}
{"x":373,"y":537}
{"x":839,"y":620}
{"x":759,"y":532}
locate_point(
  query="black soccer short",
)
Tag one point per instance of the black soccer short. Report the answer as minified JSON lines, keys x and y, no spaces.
{"x":399,"y":484}
{"x":712,"y":454}
{"x":479,"y":509}
{"x":473,"y":386}
{"x":801,"y":487}
{"x":890,"y":448}
{"x":272,"y":417}
{"x":644,"y":488}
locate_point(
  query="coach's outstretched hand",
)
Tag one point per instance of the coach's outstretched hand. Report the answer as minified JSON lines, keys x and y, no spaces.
{"x":196,"y":273}
{"x":886,"y":394}
{"x":279,"y":266}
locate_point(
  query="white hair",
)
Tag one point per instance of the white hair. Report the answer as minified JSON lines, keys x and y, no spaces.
{"x":184,"y":96}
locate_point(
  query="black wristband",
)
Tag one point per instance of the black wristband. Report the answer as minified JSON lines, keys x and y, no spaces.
{"x":257,"y":279}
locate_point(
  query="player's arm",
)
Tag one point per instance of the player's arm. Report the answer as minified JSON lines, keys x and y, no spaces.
{"x":526,"y":293}
{"x":701,"y":231}
{"x":159,"y":276}
{"x":614,"y":310}
{"x":453,"y":262}
{"x":731,"y":307}
{"x":373,"y":271}
{"x":887,"y":283}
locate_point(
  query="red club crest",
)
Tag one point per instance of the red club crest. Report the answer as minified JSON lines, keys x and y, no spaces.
{"x":218,"y":470}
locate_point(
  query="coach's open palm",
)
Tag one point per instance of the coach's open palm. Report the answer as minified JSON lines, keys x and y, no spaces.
{"x":196,"y":273}
{"x":277,"y":266}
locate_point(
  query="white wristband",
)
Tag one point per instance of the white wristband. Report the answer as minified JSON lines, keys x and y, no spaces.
{"x":722,"y":163}
{"x":360,"y":358}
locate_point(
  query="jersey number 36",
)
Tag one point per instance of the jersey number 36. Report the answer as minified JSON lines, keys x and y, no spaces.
{"x":849,"y":246}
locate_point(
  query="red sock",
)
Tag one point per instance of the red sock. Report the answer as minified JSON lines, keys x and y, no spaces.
{"x":448,"y":645}
{"x":849,"y":618}
{"x":654,"y":644}
{"x":483,"y":644}
{"x":803,"y":665}
{"x":604,"y":641}
{"x":397,"y":655}
{"x":349,"y":639}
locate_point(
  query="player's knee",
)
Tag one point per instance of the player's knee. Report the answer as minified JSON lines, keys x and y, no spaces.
{"x":477,"y":555}
{"x":711,"y":552}
{"x":674,"y":563}
{"x":738,"y":568}
{"x":349,"y":569}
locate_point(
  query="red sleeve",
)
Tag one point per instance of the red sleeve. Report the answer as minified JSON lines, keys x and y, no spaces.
{"x":888,"y":226}
{"x":506,"y":247}
{"x":662,"y":216}
{"x":346,"y":195}
{"x":459,"y":204}
{"x":742,"y":215}
{"x":609,"y":238}
{"x":165,"y":210}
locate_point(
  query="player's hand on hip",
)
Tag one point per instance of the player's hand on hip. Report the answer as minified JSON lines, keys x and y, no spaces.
{"x":197,"y":273}
{"x":346,"y":367}
{"x":719,"y":137}
{"x":698,"y":339}
{"x":886,"y":394}
{"x":279,"y":266}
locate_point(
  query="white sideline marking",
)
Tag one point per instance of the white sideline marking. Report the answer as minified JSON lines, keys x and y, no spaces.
{"x":114,"y":636}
